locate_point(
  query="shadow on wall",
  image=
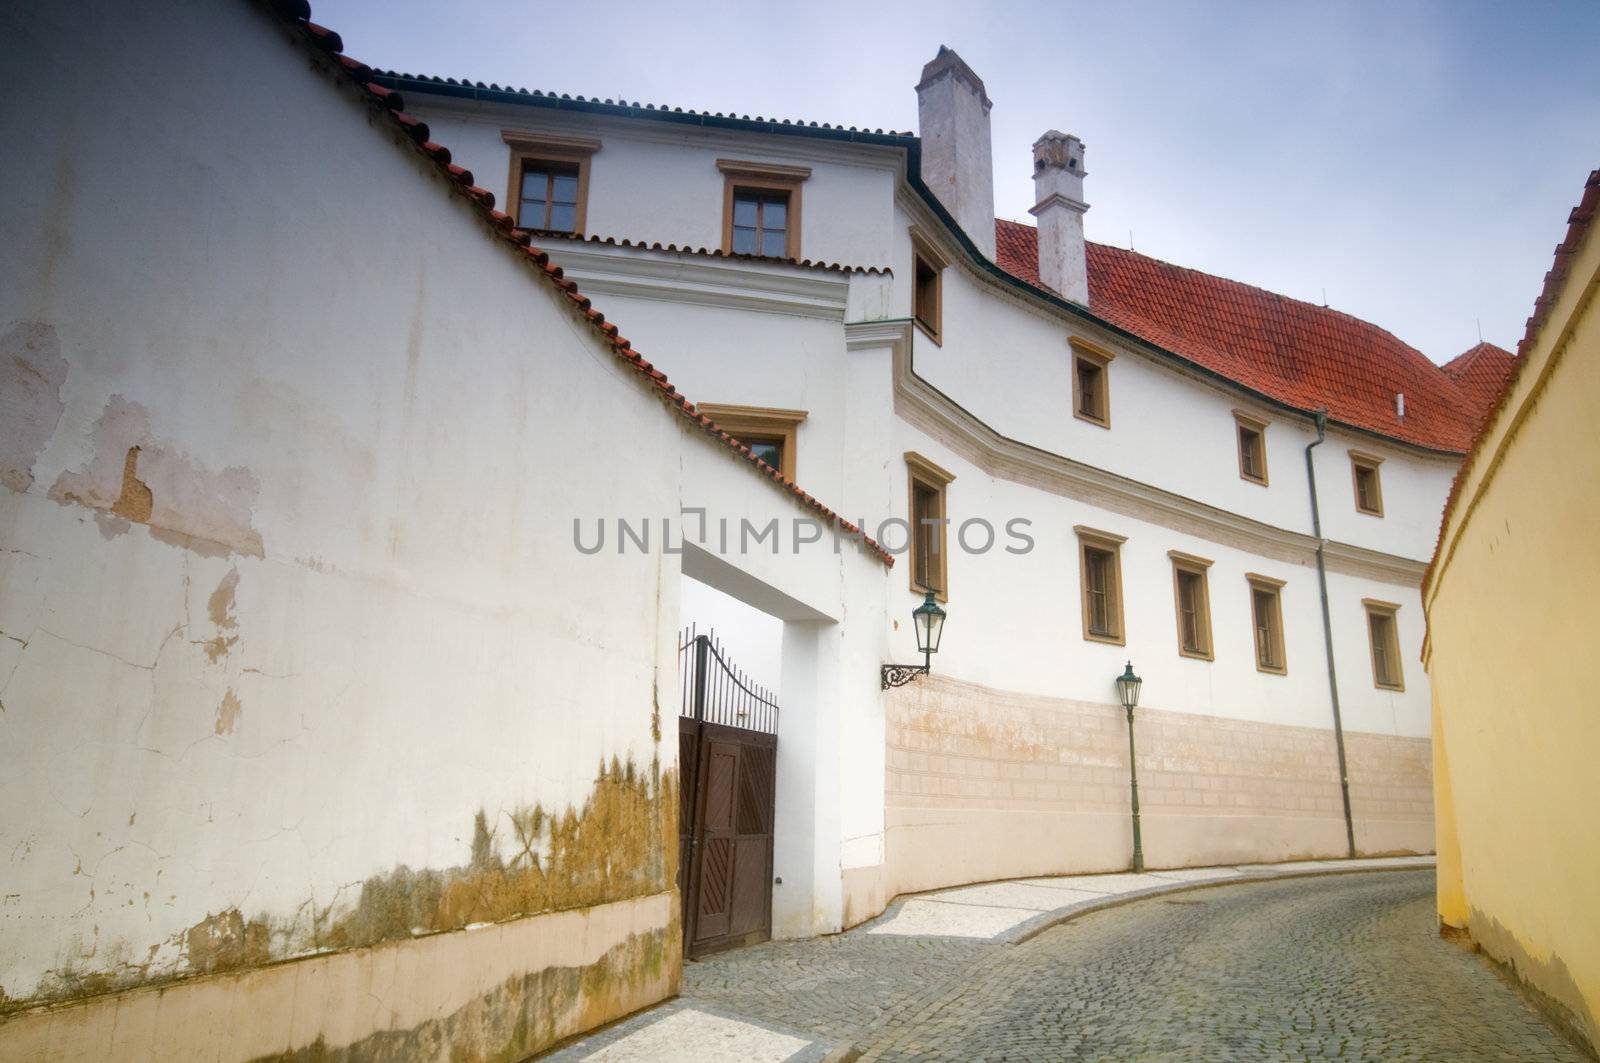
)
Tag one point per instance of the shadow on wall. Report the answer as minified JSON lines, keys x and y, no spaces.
{"x":1549,"y":981}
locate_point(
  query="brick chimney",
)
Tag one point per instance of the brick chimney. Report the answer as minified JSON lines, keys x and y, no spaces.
{"x":1058,"y":175}
{"x":953,"y":119}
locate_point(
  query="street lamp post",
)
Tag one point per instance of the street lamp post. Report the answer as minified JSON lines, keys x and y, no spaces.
{"x":1128,"y":686}
{"x":928,"y":619}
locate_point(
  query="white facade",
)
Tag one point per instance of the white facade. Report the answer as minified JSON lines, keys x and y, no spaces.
{"x":289,"y":590}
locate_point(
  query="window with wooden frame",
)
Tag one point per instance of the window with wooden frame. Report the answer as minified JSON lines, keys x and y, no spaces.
{"x":761,"y":208}
{"x":1383,"y":632}
{"x":1100,"y":576}
{"x":769,"y":433}
{"x":1369,"y":488}
{"x":929,"y":518}
{"x":927,"y":279}
{"x":1192,"y":599}
{"x":549,"y":187}
{"x":1266,"y":615}
{"x":1252,"y":436}
{"x":1091,"y":383}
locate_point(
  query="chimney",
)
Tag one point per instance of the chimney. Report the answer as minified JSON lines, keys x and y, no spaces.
{"x":953,"y":119}
{"x":1058,"y":175}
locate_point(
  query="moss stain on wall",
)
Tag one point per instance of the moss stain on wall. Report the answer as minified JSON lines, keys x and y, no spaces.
{"x":528,"y":1013}
{"x":621,"y":843}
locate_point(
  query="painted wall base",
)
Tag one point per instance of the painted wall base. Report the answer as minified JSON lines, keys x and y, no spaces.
{"x":498,"y":992}
{"x":984,"y":784}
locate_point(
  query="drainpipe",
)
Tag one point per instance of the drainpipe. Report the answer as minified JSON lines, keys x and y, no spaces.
{"x":1327,"y":630}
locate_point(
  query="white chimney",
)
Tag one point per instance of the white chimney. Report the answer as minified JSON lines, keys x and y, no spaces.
{"x":953,"y":119}
{"x":1058,"y":175}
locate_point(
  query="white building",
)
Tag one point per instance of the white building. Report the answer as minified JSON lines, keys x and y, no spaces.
{"x":308,"y":654}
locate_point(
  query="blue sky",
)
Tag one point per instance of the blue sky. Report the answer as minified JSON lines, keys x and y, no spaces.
{"x":1414,"y":160}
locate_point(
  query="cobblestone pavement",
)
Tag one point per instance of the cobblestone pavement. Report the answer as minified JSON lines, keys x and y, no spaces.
{"x":1348,"y":966}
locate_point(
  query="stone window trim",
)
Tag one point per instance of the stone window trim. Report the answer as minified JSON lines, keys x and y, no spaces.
{"x":763,"y":177}
{"x":927,"y":285}
{"x":529,"y":147}
{"x":1093,"y":542}
{"x":1091,"y":373}
{"x":1246,"y":423}
{"x":760,"y":424}
{"x":1388,"y":629}
{"x":1189,"y":565}
{"x":929,"y":553}
{"x":1364,"y":472}
{"x":1269,"y":647}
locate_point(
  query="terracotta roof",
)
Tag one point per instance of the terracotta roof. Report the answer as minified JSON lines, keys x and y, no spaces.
{"x":1297,"y":353}
{"x":1481,"y":372}
{"x":687,"y":249}
{"x":1555,"y":280}
{"x":388,"y":102}
{"x":477,"y":89}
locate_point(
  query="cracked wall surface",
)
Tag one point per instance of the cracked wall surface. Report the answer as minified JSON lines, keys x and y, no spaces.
{"x":295,"y":662}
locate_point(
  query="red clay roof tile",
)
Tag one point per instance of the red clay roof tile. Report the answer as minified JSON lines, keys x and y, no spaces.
{"x":1481,"y":373}
{"x":1300,"y":354}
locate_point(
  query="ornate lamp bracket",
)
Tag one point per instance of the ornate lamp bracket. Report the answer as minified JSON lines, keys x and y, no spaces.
{"x":898,"y":675}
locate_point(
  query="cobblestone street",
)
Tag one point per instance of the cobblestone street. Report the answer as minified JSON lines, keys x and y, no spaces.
{"x":1346,"y":966}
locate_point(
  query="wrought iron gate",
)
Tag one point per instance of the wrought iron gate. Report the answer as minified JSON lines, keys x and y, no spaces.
{"x":727,"y":753}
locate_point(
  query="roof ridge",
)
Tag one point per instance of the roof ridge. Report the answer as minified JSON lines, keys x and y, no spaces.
{"x":1245,"y":284}
{"x":1470,"y":357}
{"x":297,"y":13}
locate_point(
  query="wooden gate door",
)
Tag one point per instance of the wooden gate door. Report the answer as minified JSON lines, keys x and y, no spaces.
{"x":727,"y":755}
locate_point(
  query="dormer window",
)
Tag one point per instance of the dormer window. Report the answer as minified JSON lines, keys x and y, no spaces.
{"x":761,"y":208}
{"x":1091,"y":384}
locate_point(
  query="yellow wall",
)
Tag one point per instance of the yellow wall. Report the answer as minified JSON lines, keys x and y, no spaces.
{"x":1514,"y":629}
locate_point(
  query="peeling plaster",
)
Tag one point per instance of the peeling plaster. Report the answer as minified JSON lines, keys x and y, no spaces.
{"x":133,"y":478}
{"x":32,"y":371}
{"x":527,"y":1014}
{"x":228,"y":712}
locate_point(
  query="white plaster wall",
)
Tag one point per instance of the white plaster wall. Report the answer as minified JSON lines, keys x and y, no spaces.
{"x":1016,"y":622}
{"x":654,"y":182}
{"x":744,"y":358}
{"x":289,"y":291}
{"x":1414,"y":489}
{"x":1011,"y":366}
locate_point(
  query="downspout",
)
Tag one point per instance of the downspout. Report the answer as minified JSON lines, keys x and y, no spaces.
{"x":1327,"y":630}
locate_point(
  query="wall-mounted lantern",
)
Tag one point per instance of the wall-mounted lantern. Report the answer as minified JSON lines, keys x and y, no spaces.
{"x":928,"y":619}
{"x":1128,"y":686}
